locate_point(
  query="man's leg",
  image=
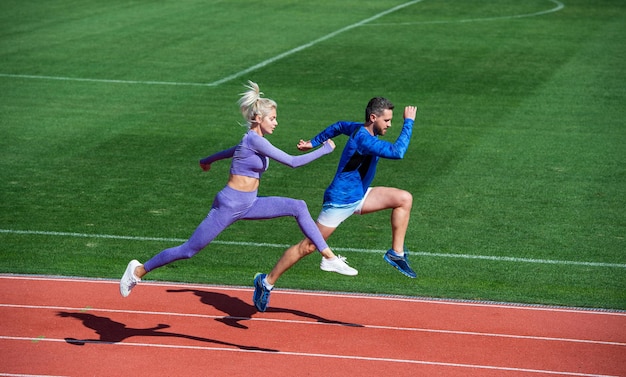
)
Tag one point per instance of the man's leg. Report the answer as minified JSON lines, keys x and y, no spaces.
{"x":400,"y":202}
{"x":296,"y":252}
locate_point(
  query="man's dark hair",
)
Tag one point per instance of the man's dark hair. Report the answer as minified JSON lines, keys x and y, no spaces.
{"x":376,"y":106}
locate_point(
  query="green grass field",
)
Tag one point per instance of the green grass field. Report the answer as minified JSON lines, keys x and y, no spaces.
{"x":517,"y":164}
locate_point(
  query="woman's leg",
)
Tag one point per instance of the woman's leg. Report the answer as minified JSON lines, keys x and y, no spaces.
{"x":269,"y":207}
{"x":227,"y":208}
{"x":208,"y":229}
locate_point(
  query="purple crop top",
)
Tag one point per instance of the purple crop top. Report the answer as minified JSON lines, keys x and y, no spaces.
{"x":251,"y":156}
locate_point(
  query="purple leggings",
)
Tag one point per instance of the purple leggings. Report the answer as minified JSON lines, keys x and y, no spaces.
{"x":231,"y":205}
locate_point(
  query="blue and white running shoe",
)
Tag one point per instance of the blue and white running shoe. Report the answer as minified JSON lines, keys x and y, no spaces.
{"x":400,"y":262}
{"x":261,"y":297}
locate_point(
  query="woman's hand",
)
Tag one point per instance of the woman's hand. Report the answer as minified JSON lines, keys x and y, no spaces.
{"x":205,"y":167}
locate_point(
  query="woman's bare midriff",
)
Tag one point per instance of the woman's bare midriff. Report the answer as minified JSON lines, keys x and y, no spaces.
{"x":243,"y":183}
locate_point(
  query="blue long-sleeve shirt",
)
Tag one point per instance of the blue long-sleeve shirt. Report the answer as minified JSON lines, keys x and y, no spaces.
{"x":359,"y":158}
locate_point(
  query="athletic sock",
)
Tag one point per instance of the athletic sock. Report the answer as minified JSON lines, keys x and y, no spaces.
{"x":398,"y":254}
{"x":266,"y":284}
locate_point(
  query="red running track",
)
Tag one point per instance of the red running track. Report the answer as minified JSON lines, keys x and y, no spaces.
{"x":82,"y":327}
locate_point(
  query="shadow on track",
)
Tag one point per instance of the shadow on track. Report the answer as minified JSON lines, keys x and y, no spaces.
{"x":111,"y":332}
{"x":239,"y":310}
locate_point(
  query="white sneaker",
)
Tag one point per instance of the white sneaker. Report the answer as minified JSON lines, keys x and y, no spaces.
{"x":129,"y":280}
{"x":338,"y":265}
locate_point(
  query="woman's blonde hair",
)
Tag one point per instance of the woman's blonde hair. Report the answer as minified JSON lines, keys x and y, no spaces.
{"x":252,"y":104}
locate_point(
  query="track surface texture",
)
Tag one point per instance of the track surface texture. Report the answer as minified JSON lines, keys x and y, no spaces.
{"x":81,"y":327}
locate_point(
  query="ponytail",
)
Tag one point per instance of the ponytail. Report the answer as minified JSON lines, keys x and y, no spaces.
{"x":252,"y":104}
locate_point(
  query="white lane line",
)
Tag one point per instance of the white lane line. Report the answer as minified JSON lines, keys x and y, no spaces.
{"x":235,"y":75}
{"x":317,"y":355}
{"x":343,"y":249}
{"x":350,"y":295}
{"x":110,"y":81}
{"x":366,"y":22}
{"x":559,"y":6}
{"x":27,"y":375}
{"x":317,"y":323}
{"x":312,"y":43}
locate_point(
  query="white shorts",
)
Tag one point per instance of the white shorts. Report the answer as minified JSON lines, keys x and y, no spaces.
{"x":334,"y":214}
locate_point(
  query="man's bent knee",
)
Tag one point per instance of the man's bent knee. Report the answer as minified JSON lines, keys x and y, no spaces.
{"x":306,"y":247}
{"x":406,"y":199}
